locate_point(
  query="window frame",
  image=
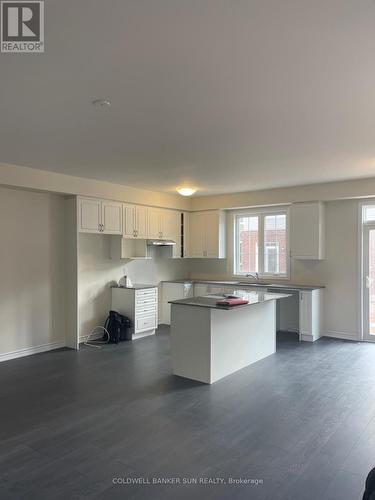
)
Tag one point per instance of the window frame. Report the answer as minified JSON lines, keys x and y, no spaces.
{"x":261,"y":214}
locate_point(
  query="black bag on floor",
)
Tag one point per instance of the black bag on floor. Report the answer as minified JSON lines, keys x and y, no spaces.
{"x":118,"y":327}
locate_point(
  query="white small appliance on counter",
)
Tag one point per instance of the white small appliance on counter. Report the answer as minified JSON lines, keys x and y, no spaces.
{"x":125,"y":282}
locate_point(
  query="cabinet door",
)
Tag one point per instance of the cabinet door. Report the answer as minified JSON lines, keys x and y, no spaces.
{"x":154,"y":230}
{"x":128,"y":213}
{"x":171,"y":224}
{"x":89,"y":215}
{"x":111,"y":217}
{"x":200,"y":289}
{"x":141,"y":222}
{"x":186,"y":230}
{"x":196,"y":235}
{"x":307,"y":231}
{"x":211,"y":235}
{"x":305,"y":313}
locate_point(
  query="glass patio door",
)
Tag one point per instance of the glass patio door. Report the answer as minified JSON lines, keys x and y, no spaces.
{"x":368,"y":278}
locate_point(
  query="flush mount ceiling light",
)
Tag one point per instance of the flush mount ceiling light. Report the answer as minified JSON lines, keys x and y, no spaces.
{"x":185,"y":191}
{"x":101,"y":103}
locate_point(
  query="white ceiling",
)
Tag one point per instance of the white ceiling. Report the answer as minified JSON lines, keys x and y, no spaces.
{"x":226,"y":95}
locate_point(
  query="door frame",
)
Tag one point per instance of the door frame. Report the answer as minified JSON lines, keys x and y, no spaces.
{"x":363,"y":307}
{"x":366,"y":228}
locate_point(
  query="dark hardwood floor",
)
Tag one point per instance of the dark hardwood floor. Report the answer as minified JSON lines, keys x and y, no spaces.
{"x":301,"y":421}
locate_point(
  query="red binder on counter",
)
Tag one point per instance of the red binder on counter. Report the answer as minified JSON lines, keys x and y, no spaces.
{"x":231,"y":302}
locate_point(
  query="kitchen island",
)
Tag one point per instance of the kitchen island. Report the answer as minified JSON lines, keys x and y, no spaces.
{"x":210,"y":341}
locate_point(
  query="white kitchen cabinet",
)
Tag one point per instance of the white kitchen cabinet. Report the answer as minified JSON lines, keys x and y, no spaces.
{"x":135,"y":221}
{"x":307,"y":228}
{"x":89,"y":215}
{"x":185,"y":234}
{"x":310,"y":314}
{"x":200,"y":289}
{"x":99,"y":216}
{"x":128,"y":221}
{"x":111,"y":217}
{"x":140,"y":305}
{"x":196,"y":247}
{"x":207,"y":234}
{"x":170,"y":224}
{"x":141,"y":220}
{"x":166,"y":225}
{"x":173,"y":291}
{"x":155,"y":223}
{"x":171,"y":230}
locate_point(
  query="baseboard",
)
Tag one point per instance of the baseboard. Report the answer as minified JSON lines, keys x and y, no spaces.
{"x":307,"y":338}
{"x":341,"y":335}
{"x":27,"y":351}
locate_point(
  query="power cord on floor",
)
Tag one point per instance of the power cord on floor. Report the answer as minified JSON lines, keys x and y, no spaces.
{"x":87,"y":341}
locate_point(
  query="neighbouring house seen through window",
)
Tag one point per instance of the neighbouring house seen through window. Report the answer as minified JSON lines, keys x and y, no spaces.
{"x":261,"y":243}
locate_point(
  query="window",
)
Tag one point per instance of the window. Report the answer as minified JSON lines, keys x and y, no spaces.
{"x":261,"y":243}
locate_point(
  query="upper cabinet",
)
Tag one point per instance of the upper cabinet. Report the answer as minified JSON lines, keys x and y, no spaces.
{"x":111,"y":217}
{"x":155,"y":223}
{"x":172,"y":230}
{"x":141,"y":221}
{"x":166,"y":225}
{"x":171,"y":224}
{"x":307,"y":228}
{"x":207,"y":234}
{"x":135,"y":221}
{"x":98,"y":216}
{"x":163,"y":224}
{"x":185,"y":235}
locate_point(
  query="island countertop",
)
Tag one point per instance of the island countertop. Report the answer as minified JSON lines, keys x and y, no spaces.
{"x":210,"y":301}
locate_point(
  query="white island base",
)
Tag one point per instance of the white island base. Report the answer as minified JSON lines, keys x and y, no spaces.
{"x":208,"y":344}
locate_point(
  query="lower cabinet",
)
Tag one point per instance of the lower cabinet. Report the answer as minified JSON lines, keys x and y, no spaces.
{"x":140,"y":305}
{"x":173,"y":291}
{"x":310,"y":314}
{"x":200,"y":289}
{"x":300,"y":313}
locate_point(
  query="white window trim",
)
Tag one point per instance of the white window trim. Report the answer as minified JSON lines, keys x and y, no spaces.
{"x":260,"y":212}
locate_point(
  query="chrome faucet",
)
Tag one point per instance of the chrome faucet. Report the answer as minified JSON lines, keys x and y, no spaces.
{"x":253,"y":275}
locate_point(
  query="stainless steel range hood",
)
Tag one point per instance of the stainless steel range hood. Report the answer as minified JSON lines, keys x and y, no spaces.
{"x":161,"y":243}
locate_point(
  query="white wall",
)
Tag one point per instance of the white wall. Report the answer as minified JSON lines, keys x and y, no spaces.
{"x":327,"y":191}
{"x":338,"y":272}
{"x":41,"y":180}
{"x":97,"y":271}
{"x":31,"y":272}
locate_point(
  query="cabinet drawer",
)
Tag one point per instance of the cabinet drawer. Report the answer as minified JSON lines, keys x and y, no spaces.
{"x":145,"y":310}
{"x":148,"y":292}
{"x":146,"y":323}
{"x":145,"y":301}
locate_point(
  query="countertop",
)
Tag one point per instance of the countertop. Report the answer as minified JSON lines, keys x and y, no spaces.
{"x":136,"y":286}
{"x":209,"y":301}
{"x":282,"y":286}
